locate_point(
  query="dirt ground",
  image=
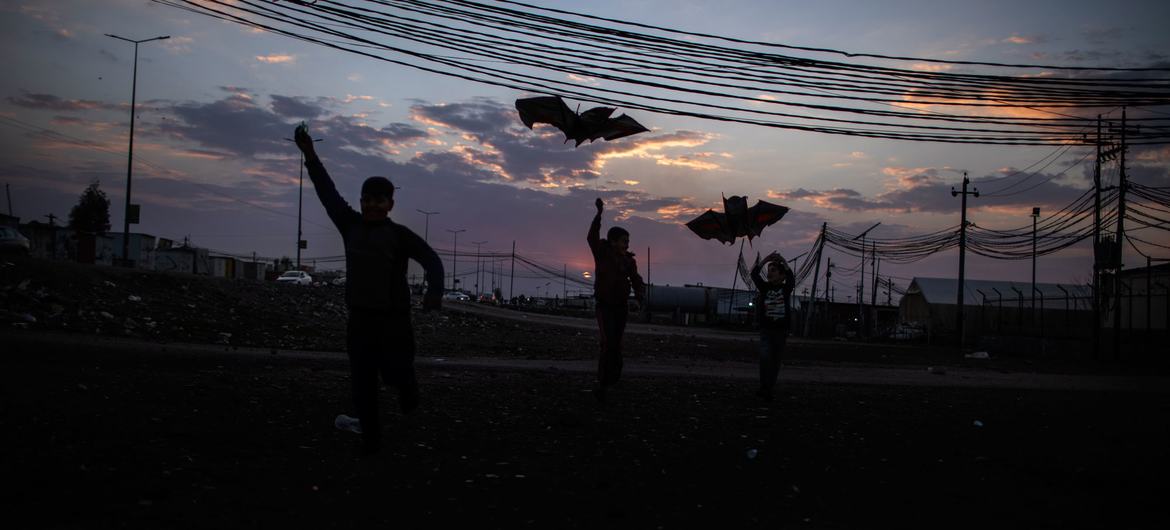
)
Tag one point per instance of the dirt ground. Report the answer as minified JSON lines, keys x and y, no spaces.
{"x":138,"y":433}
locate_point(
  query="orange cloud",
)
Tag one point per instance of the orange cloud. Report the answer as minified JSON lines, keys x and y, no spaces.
{"x":276,"y":58}
{"x":675,"y":211}
{"x":931,"y":67}
{"x":650,"y":149}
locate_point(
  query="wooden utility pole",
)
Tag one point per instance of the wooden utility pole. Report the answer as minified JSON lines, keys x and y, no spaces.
{"x":731,"y":302}
{"x":962,"y":253}
{"x":1122,"y":185}
{"x":816,"y":273}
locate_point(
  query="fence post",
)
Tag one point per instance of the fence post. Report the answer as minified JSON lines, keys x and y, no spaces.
{"x":1063,"y":290}
{"x":1041,"y":293}
{"x":1019,"y":308}
{"x":999,"y":311}
{"x":982,"y":310}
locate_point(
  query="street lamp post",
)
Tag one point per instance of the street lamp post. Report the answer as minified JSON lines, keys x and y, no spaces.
{"x":455,"y":255}
{"x":478,"y":279}
{"x":301,"y":243}
{"x":130,"y":155}
{"x":427,"y":226}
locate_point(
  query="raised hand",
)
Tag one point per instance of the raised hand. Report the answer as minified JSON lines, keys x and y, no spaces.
{"x":304,"y":141}
{"x":599,"y":204}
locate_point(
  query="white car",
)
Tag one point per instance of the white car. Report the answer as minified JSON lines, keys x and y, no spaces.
{"x":456,"y":296}
{"x":295,"y":277}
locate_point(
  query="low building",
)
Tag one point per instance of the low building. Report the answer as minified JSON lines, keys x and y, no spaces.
{"x":932,"y":304}
{"x":191,"y":260}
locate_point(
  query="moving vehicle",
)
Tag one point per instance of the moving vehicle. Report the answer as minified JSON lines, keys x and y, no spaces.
{"x":295,"y":277}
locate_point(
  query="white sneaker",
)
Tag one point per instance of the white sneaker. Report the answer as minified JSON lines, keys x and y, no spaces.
{"x":348,"y":423}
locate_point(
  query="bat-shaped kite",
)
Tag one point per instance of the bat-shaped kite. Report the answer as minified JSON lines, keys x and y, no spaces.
{"x":737,"y":220}
{"x":589,"y":125}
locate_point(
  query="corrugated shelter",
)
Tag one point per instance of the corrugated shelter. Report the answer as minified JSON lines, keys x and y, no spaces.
{"x":932,"y":302}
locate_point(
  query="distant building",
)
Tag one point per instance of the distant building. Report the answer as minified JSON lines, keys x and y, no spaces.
{"x":191,"y":260}
{"x":224,"y":266}
{"x":141,"y":250}
{"x":932,"y":302}
{"x":1144,"y":298}
{"x":49,"y":241}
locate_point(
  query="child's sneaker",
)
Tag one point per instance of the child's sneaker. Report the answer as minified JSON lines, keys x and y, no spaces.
{"x":348,"y":423}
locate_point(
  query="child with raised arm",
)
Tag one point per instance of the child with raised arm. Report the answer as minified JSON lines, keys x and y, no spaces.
{"x":615,"y":273}
{"x":773,"y":314}
{"x":379,"y":337}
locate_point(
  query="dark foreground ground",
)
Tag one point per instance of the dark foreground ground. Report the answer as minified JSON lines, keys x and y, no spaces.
{"x":163,"y":436}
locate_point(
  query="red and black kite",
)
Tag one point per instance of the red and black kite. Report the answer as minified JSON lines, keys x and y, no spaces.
{"x":737,"y":220}
{"x":589,"y":125}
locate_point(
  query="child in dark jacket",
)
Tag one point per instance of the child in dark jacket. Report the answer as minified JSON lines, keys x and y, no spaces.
{"x":379,"y":337}
{"x":773,"y":314}
{"x":615,"y":273}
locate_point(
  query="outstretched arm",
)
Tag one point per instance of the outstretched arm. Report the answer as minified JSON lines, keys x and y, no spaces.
{"x":594,"y":237}
{"x":421,"y":252}
{"x":338,"y":210}
{"x":761,"y":285}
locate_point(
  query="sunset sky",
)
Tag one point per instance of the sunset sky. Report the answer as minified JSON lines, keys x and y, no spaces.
{"x":217,"y":100}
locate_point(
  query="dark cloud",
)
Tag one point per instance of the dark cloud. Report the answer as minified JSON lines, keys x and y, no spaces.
{"x":927,"y":192}
{"x":1101,"y":36}
{"x":52,"y":102}
{"x":295,"y":107}
{"x":535,"y":156}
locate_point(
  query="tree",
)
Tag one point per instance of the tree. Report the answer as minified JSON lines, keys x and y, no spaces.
{"x":92,"y":212}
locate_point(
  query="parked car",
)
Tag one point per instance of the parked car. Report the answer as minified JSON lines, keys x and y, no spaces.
{"x":339,"y":281}
{"x":456,"y":296}
{"x":12,"y":242}
{"x":295,"y":277}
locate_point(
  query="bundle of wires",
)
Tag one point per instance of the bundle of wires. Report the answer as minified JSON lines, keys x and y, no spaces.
{"x":638,"y":66}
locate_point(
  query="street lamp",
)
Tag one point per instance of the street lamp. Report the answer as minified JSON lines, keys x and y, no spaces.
{"x":455,"y":254}
{"x":427,"y":227}
{"x":130,"y":156}
{"x":478,"y":279}
{"x":301,"y":243}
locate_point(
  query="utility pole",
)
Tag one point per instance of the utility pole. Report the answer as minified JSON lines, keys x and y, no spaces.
{"x":889,"y":291}
{"x":1096,"y":249}
{"x":301,"y":243}
{"x":876,"y":263}
{"x":1035,"y":217}
{"x":427,"y":225}
{"x":828,"y":284}
{"x":861,"y":292}
{"x":130,"y":156}
{"x":565,"y":279}
{"x":455,"y":255}
{"x":731,"y":302}
{"x":512,"y":282}
{"x":1122,"y":186}
{"x":478,"y":279}
{"x":816,"y":274}
{"x":962,"y":252}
